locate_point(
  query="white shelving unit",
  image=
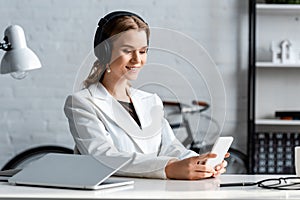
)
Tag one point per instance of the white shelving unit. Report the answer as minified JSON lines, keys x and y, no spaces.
{"x":277,"y":65}
{"x":273,"y":87}
{"x":277,"y":122}
{"x":276,"y":83}
{"x":278,"y":8}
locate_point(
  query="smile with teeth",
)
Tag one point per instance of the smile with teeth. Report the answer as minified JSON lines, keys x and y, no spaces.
{"x":132,"y":68}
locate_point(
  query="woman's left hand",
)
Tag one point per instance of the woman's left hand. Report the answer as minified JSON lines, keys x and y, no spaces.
{"x":221,"y":168}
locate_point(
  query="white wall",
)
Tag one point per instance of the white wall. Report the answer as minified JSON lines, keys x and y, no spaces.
{"x":61,"y":33}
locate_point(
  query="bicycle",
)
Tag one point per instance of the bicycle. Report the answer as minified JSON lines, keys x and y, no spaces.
{"x":237,"y":162}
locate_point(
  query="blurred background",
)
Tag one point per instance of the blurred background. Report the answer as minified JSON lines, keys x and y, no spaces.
{"x":61,"y":33}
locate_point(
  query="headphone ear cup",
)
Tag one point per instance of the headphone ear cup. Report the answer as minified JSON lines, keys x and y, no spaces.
{"x":103,"y":52}
{"x":103,"y":49}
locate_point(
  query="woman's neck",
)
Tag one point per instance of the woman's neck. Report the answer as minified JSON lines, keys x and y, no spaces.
{"x":117,"y":89}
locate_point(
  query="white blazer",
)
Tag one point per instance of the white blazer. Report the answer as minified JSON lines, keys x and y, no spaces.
{"x":101,"y":126}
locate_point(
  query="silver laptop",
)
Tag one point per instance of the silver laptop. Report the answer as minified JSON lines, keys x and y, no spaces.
{"x":72,"y":171}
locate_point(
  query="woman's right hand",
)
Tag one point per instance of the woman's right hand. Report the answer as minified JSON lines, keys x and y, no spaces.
{"x":192,"y":168}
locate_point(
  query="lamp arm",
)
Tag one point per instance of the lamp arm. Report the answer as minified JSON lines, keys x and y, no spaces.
{"x":5,"y":45}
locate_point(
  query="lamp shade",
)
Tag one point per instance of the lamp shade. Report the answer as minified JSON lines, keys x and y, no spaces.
{"x":18,"y":58}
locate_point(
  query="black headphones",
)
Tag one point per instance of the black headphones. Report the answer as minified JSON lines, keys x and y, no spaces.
{"x":102,"y":46}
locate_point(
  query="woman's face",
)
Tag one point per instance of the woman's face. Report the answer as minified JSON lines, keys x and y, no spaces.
{"x":129,"y":54}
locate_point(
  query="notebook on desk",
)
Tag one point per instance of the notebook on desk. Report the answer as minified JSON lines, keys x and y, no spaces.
{"x":72,"y":171}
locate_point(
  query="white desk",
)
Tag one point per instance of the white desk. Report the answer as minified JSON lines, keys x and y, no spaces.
{"x":157,"y":189}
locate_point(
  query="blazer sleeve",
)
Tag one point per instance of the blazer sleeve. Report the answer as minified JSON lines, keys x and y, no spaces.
{"x":92,"y":138}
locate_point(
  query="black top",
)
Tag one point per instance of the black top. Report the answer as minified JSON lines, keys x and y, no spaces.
{"x":130,"y":109}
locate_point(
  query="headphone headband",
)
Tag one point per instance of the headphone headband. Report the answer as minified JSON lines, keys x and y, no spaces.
{"x":102,"y":48}
{"x":99,"y":37}
{"x":117,"y":14}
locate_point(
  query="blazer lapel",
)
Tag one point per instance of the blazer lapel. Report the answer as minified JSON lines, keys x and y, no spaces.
{"x":149,"y":112}
{"x":150,"y":125}
{"x":113,"y":109}
{"x":139,"y":106}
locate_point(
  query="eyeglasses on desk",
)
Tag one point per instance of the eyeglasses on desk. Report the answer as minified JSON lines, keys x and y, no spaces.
{"x":283,"y":183}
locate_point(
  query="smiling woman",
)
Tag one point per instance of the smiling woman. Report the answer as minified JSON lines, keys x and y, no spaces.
{"x":109,"y":117}
{"x":129,"y":54}
{"x":115,"y":37}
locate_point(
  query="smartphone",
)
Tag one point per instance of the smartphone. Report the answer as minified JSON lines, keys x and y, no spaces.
{"x":220,"y":148}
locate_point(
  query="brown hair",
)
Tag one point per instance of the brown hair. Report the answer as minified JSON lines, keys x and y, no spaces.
{"x":115,"y":27}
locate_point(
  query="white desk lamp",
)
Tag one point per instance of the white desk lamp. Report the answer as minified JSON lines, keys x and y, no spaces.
{"x":18,"y":58}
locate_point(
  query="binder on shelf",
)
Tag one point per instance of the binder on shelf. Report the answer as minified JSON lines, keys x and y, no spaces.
{"x":288,"y":115}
